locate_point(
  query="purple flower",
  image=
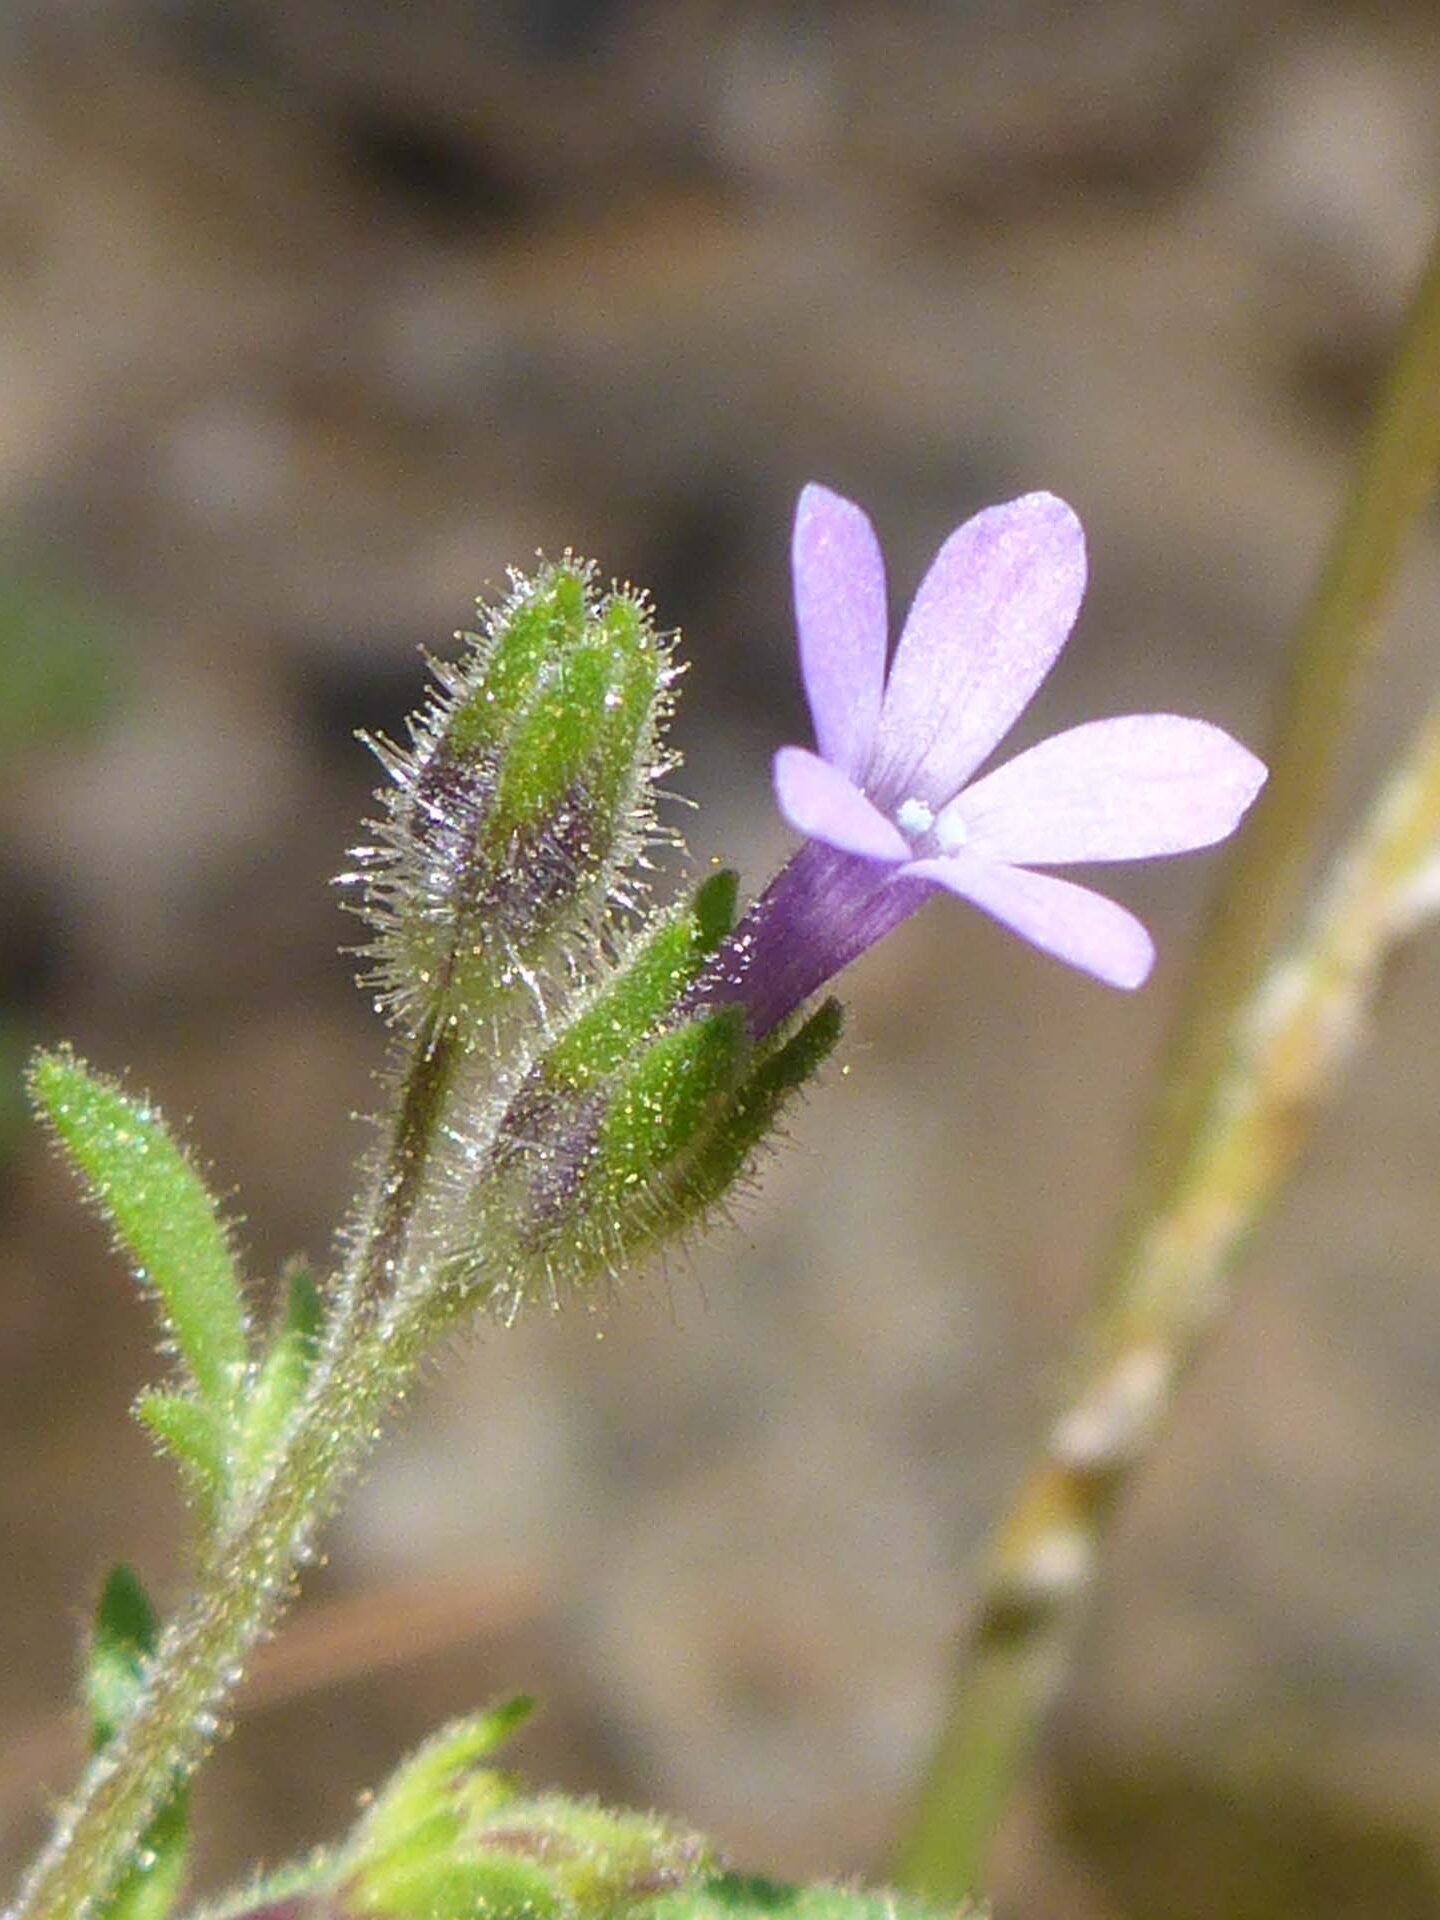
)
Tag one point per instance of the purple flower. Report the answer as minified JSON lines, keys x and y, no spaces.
{"x":889,"y":803}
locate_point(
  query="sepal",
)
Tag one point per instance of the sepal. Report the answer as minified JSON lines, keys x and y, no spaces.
{"x":636,"y":1123}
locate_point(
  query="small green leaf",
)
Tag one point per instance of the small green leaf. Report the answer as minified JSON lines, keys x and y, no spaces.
{"x":282,"y":1374}
{"x":162,"y":1213}
{"x":426,"y":1783}
{"x":149,"y":1889}
{"x":191,"y":1433}
{"x":121,"y":1640}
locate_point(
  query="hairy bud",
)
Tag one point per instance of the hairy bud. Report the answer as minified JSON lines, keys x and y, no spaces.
{"x":526,"y":791}
{"x":636,"y":1121}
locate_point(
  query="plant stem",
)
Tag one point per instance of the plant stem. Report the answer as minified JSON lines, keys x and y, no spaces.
{"x":1252,"y":1054}
{"x":248,"y":1575}
{"x":1393,"y":479}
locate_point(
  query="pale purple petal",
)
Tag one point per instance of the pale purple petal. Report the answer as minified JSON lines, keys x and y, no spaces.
{"x":819,"y":801}
{"x":1076,"y":925}
{"x":1125,"y":789}
{"x":991,"y":615}
{"x":841,"y":619}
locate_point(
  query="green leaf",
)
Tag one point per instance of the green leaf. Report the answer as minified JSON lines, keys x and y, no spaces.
{"x":426,"y":1784}
{"x":280,"y":1379}
{"x":191,"y":1433}
{"x":162,"y":1213}
{"x":149,"y":1889}
{"x":121,"y":1641}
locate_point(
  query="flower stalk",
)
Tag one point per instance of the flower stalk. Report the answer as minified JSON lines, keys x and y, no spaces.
{"x":1393,"y":480}
{"x":1255,"y":1052}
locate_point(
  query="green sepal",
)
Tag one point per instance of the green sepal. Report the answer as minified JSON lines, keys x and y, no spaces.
{"x":191,"y":1433}
{"x":635,"y":1000}
{"x":163,"y":1215}
{"x":543,"y":616}
{"x":588,"y":714}
{"x":121,"y":1641}
{"x":662,"y":1105}
{"x":281,"y":1376}
{"x":784,"y":1068}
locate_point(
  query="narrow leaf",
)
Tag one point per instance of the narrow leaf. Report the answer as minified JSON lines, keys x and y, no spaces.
{"x":425,"y":1784}
{"x":163,"y":1215}
{"x":191,"y":1433}
{"x":283,"y":1372}
{"x":121,"y":1641}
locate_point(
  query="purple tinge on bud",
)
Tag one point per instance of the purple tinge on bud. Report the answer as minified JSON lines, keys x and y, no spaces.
{"x":890,"y":805}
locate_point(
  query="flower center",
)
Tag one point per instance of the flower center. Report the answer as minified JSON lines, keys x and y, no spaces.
{"x":918,"y":820}
{"x":951,"y":834}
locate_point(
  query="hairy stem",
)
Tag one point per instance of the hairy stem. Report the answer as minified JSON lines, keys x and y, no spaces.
{"x":1253,"y":1052}
{"x":249,"y":1574}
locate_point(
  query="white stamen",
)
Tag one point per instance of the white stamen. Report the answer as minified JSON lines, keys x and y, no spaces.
{"x":914,"y":818}
{"x":951,"y":833}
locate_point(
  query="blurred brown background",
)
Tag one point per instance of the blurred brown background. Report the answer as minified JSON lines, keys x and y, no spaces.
{"x":314,"y":317}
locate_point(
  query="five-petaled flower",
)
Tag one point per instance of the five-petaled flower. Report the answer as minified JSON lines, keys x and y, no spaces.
{"x":888,"y":803}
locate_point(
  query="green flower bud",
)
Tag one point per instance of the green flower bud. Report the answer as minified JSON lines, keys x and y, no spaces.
{"x":526,"y":791}
{"x":636,"y":1122}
